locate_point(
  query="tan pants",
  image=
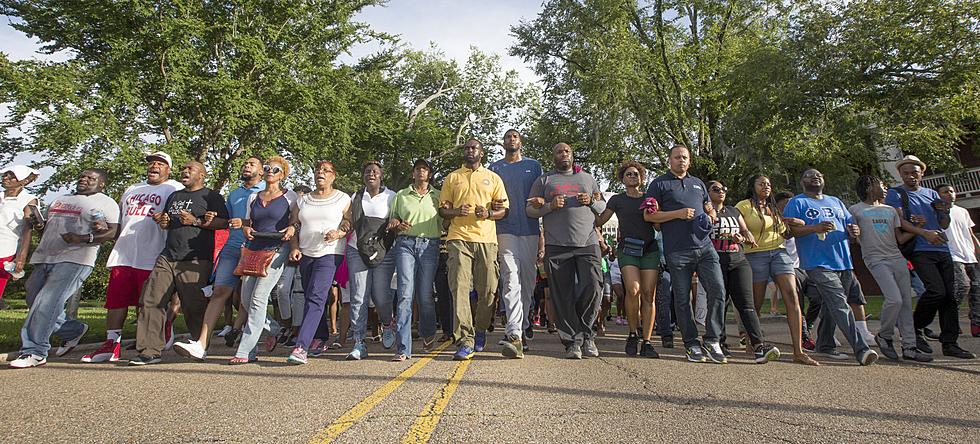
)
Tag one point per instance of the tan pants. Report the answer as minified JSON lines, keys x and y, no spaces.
{"x":186,"y":278}
{"x":472,"y":265}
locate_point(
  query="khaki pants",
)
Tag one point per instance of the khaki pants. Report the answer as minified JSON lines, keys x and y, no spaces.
{"x":186,"y":278}
{"x":472,"y":265}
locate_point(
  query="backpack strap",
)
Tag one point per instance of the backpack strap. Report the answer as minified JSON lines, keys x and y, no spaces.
{"x":904,"y":195}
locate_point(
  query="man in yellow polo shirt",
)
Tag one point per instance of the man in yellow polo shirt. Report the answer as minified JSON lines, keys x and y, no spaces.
{"x":466,"y":200}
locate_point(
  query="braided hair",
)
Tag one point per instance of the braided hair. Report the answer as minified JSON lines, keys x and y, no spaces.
{"x":764,"y":208}
{"x":864,"y":184}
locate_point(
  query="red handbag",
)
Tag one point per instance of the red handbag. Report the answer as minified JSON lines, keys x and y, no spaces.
{"x":254,"y":262}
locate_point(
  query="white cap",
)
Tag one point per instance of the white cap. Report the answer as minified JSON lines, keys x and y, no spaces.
{"x":160,"y":155}
{"x":21,"y":172}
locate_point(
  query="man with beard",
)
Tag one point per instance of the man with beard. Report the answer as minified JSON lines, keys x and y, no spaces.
{"x":517,"y":242}
{"x":190,"y":217}
{"x":139,"y":243}
{"x":826,"y":257}
{"x":225,"y":281}
{"x":569,"y":202}
{"x":76,"y":227}
{"x":467,"y":198}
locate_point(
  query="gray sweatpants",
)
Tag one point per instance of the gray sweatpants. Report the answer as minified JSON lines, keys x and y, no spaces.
{"x":576,"y":290}
{"x":967,"y":285}
{"x":895,"y":282}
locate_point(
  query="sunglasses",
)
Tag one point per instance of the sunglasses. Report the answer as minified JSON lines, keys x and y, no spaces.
{"x":271,"y":168}
{"x":717,"y":189}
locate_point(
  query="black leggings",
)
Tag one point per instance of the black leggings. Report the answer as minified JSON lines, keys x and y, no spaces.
{"x":737,"y":277}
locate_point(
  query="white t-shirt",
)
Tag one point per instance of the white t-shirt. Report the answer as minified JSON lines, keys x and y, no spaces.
{"x":140,"y":238}
{"x":790,"y":245}
{"x":12,"y":221}
{"x":316,"y":218}
{"x":960,"y":236}
{"x":376,"y":206}
{"x":72,"y":214}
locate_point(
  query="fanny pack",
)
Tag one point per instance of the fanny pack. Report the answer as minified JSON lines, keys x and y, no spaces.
{"x":633,"y":246}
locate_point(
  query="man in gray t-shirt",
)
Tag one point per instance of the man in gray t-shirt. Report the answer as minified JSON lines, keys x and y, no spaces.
{"x":568,"y":201}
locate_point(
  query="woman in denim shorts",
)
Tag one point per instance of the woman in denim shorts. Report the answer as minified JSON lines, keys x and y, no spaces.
{"x":768,"y":256}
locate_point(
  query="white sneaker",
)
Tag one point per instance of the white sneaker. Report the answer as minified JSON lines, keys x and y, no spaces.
{"x":223,"y":331}
{"x":69,"y":345}
{"x":191,"y":349}
{"x":27,"y":361}
{"x":869,"y":338}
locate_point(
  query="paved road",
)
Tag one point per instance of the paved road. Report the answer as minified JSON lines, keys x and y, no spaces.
{"x":539,"y":399}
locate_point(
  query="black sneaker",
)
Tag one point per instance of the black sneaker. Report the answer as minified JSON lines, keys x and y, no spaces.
{"x":765,"y":353}
{"x":913,"y":354}
{"x":647,"y":350}
{"x":632,"y":342}
{"x":232,"y":337}
{"x":145,"y":360}
{"x":715,"y":354}
{"x":667,"y":341}
{"x":695,"y":354}
{"x":529,"y":333}
{"x":953,"y":350}
{"x":929,"y":334}
{"x":887,"y":347}
{"x":922,"y":344}
{"x":725,"y":351}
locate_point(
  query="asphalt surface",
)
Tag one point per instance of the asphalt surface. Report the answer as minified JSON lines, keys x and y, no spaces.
{"x":541,"y":398}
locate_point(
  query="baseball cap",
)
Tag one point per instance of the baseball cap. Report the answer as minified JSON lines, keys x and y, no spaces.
{"x":21,"y":172}
{"x":423,"y":162}
{"x":162,"y":156}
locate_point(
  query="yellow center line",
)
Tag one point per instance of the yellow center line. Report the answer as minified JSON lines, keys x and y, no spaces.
{"x":426,"y":422}
{"x":348,"y":419}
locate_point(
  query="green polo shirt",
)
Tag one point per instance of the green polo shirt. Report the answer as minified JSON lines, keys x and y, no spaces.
{"x":422,"y":211}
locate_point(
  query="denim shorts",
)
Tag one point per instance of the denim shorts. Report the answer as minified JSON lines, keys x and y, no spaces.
{"x":768,"y":264}
{"x":224,"y":274}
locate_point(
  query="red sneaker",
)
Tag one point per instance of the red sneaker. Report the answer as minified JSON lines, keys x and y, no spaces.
{"x":975,"y":330}
{"x":809,"y":345}
{"x":168,"y":334}
{"x":109,"y":351}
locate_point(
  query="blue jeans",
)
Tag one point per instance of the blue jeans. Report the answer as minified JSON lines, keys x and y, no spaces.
{"x":255,"y":299}
{"x":367,"y":282}
{"x":48,"y":288}
{"x":416,"y":260}
{"x":834,"y":310}
{"x":704,"y":262}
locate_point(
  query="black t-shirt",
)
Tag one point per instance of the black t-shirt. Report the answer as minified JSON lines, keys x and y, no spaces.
{"x":187,"y":242}
{"x":728,"y":251}
{"x":631,"y":223}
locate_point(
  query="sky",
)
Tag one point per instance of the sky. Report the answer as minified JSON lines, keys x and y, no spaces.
{"x":452,"y":25}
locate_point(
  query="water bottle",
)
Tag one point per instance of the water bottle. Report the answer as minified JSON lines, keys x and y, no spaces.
{"x":98,"y":220}
{"x":10,"y":267}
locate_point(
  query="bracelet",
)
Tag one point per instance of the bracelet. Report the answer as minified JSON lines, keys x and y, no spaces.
{"x":91,"y":238}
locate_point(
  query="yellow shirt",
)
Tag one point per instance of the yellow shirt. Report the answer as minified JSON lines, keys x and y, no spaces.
{"x":475,"y":187}
{"x":767,"y":234}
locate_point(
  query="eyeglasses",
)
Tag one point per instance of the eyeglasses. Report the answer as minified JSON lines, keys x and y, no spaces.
{"x":631,"y":174}
{"x":717,"y":189}
{"x":271,"y":168}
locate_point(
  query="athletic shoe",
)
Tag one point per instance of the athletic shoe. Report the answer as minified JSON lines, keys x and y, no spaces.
{"x":232,"y":337}
{"x":695,"y":354}
{"x":725,"y":351}
{"x":868,"y":357}
{"x":428,"y":344}
{"x":834,"y":354}
{"x":317,"y":348}
{"x":27,"y":361}
{"x":589,"y":348}
{"x":929,"y":334}
{"x":922,"y":344}
{"x":632,"y":343}
{"x":69,"y":345}
{"x":573,"y":351}
{"x":667,"y":341}
{"x":715,"y":354}
{"x":647,"y":350}
{"x":524,"y":346}
{"x":283,"y":335}
{"x":358,"y":352}
{"x":145,"y":360}
{"x":512,"y":347}
{"x":291,"y":341}
{"x":297,"y":357}
{"x":223,"y":331}
{"x":953,"y":350}
{"x":975,"y":330}
{"x":529,"y":333}
{"x":480,"y":342}
{"x":388,"y":336}
{"x":913,"y":354}
{"x":619,"y":320}
{"x":191,"y":349}
{"x":869,"y":337}
{"x":108,"y":351}
{"x":765,"y":353}
{"x":168,"y":335}
{"x":809,"y":345}
{"x":464,"y":353}
{"x":887,"y":347}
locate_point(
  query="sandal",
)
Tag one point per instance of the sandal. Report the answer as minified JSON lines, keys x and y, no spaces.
{"x":399,"y":358}
{"x":239,"y":361}
{"x":804,"y":359}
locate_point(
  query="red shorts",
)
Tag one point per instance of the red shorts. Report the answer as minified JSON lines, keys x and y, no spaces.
{"x":125,"y":286}
{"x":4,"y":276}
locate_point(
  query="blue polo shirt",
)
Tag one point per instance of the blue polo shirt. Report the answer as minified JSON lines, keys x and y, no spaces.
{"x":832,"y":253}
{"x":920,"y":203}
{"x":673,"y":193}
{"x":518,"y":178}
{"x":237,"y":205}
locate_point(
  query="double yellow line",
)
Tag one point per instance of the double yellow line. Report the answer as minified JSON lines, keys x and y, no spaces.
{"x":425,"y":423}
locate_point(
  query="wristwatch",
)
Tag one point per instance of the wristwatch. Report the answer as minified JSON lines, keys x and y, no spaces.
{"x":196,"y":223}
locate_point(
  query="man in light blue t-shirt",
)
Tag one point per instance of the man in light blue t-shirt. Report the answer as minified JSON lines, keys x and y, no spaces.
{"x":517,"y":239}
{"x":825,"y":256}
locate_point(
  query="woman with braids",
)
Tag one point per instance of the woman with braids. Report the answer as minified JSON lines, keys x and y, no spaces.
{"x":880,"y":236}
{"x":638,"y":255}
{"x":768,"y":258}
{"x":727,"y":235}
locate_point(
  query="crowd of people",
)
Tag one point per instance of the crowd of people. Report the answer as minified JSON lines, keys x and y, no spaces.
{"x":344,"y":269}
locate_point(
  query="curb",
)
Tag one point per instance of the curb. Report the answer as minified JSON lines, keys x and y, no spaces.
{"x":10,"y":356}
